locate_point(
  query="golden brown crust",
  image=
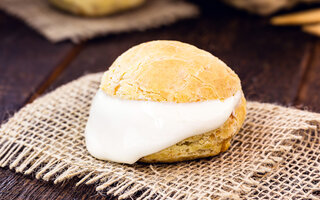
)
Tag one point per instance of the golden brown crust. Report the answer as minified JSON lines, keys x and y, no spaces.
{"x":169,"y":71}
{"x":93,"y":8}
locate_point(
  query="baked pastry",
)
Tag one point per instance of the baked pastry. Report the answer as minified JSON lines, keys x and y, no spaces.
{"x":171,"y":73}
{"x":94,"y":8}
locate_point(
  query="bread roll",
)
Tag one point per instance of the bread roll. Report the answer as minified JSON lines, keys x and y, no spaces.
{"x":172,"y":71}
{"x":94,"y":8}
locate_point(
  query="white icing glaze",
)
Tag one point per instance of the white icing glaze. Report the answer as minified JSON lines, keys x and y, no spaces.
{"x":126,"y":130}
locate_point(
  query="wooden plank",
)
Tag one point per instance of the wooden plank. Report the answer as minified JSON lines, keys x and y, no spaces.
{"x":18,"y":186}
{"x":309,"y":95}
{"x":26,"y":60}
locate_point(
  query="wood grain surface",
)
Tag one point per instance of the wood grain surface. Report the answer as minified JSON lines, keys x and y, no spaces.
{"x":26,"y":60}
{"x":276,"y":64}
{"x":309,"y":93}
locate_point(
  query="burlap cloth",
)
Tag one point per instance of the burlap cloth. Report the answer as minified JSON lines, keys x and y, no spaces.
{"x":57,"y":26}
{"x":275,"y":155}
{"x":267,"y":7}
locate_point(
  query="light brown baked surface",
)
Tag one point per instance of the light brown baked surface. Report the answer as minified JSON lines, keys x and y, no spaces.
{"x":172,"y":71}
{"x":93,"y":8}
{"x":169,"y":71}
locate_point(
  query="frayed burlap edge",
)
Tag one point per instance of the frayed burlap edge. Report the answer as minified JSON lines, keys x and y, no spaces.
{"x":45,"y":138}
{"x":57,"y":26}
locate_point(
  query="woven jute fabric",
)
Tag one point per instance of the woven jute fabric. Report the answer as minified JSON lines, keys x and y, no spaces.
{"x":56,"y":25}
{"x":267,"y":7}
{"x":276,"y":155}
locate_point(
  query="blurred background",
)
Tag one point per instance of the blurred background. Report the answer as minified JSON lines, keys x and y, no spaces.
{"x":273,"y":45}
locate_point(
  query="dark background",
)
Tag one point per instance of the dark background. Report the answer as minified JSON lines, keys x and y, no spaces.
{"x":276,"y":64}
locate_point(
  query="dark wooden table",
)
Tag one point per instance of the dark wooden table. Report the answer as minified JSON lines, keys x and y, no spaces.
{"x":276,"y":64}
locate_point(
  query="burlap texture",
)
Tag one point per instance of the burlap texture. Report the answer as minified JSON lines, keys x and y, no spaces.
{"x":274,"y":156}
{"x":267,"y":7}
{"x":57,"y":26}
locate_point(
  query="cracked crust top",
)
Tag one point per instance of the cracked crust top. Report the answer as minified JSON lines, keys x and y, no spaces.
{"x":169,"y":71}
{"x":177,"y":72}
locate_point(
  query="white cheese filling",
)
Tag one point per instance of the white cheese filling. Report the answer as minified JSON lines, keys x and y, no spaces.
{"x":126,"y":130}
